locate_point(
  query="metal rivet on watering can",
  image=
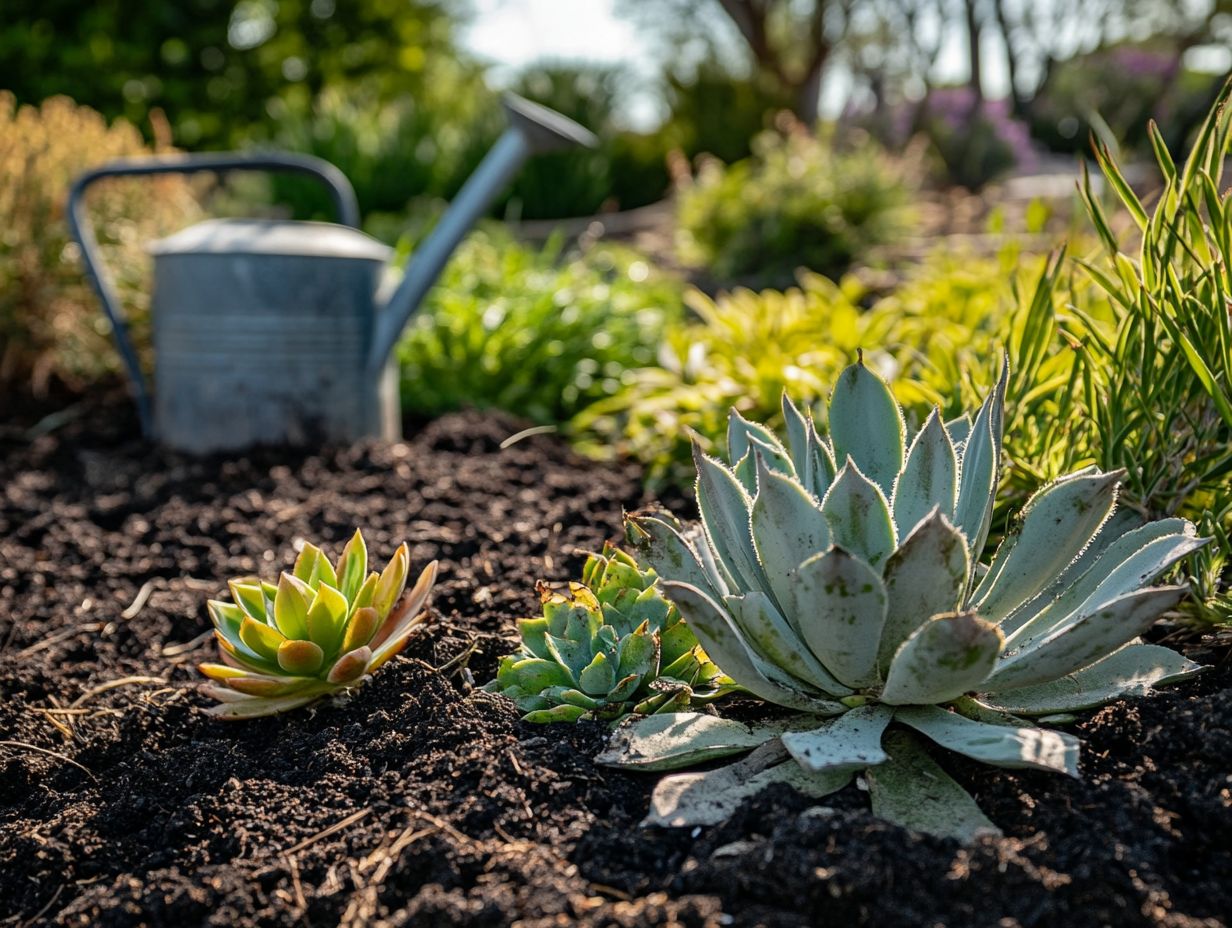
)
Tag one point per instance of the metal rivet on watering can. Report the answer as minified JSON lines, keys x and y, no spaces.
{"x":278,"y":331}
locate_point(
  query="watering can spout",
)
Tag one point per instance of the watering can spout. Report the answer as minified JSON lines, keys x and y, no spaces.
{"x":533,"y":129}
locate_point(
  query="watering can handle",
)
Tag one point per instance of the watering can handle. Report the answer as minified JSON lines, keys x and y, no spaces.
{"x":340,"y":190}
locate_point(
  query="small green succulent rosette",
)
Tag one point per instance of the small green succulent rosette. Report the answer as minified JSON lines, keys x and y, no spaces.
{"x":840,"y":578}
{"x":321,"y":629}
{"x":605,"y":647}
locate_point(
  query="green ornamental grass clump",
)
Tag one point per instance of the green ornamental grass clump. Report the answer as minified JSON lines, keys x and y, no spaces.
{"x":605,"y":647}
{"x":841,"y":578}
{"x":321,"y":629}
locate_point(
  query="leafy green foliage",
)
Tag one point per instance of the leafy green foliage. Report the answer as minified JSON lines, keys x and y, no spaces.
{"x":219,"y":67}
{"x":799,"y":201}
{"x":606,"y":647}
{"x":936,"y":329}
{"x":840,"y":576}
{"x":535,"y":332}
{"x":1158,"y":383}
{"x":320,"y":629}
{"x":51,"y":325}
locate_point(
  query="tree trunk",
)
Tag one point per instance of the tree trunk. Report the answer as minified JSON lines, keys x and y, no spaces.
{"x":976,"y":79}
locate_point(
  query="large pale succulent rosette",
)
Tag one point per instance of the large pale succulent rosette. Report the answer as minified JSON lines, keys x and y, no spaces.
{"x":840,"y":578}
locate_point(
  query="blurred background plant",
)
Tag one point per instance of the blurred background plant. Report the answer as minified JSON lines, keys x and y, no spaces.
{"x":540,"y":332}
{"x":52,"y":332}
{"x":937,"y":337}
{"x":801,"y":200}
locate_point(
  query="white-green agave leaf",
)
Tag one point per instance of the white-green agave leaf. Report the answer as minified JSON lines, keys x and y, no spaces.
{"x":787,"y":526}
{"x":848,"y":743}
{"x":999,"y":745}
{"x":859,"y":516}
{"x":824,"y":469}
{"x":926,"y":576}
{"x":1118,"y":538}
{"x":1094,"y":633}
{"x":671,"y":555}
{"x":981,"y":459}
{"x":959,"y":429}
{"x":1123,"y":568}
{"x":797,"y":431}
{"x":724,"y":508}
{"x":912,"y":791}
{"x":768,"y":633}
{"x":723,"y":642}
{"x":1058,"y":522}
{"x":866,"y":424}
{"x":697,"y":799}
{"x":741,"y":433}
{"x":671,"y":740}
{"x":775,"y":458}
{"x":838,"y":604}
{"x":1131,"y":671}
{"x":944,"y":658}
{"x":929,"y":479}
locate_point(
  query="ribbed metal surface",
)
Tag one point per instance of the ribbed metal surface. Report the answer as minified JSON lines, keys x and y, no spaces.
{"x":267,"y":349}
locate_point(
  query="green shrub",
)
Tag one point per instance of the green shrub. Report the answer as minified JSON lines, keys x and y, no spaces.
{"x":537,"y":332}
{"x":52,"y":328}
{"x":800,"y":201}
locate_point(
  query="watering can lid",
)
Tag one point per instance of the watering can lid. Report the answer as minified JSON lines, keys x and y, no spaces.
{"x":272,"y":237}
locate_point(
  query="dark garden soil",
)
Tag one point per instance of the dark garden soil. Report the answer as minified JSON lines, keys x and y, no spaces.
{"x":419,"y":801}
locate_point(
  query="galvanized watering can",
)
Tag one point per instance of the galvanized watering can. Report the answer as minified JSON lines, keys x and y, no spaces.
{"x":276,"y":332}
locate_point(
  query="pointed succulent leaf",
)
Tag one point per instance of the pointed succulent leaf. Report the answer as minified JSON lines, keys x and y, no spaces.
{"x":533,"y":674}
{"x":1131,"y":671}
{"x":693,"y":799}
{"x":351,"y":666}
{"x":360,"y":628}
{"x":352,"y":566}
{"x":824,"y":468}
{"x":788,"y":527}
{"x":260,"y":638}
{"x":366,"y":592}
{"x":532,"y":632}
{"x":741,"y":432}
{"x":392,"y":581}
{"x":300,"y":657}
{"x":851,"y":742}
{"x":958,"y":430}
{"x":838,"y":605}
{"x":999,"y":745}
{"x":250,"y":598}
{"x":858,"y":516}
{"x":597,"y":677}
{"x":866,"y":424}
{"x":673,"y":740}
{"x":325,"y":618}
{"x":305,"y":568}
{"x":291,"y":607}
{"x":1057,"y":523}
{"x":926,"y":576}
{"x":718,"y":634}
{"x":409,"y":610}
{"x":981,"y":460}
{"x":770,"y":635}
{"x":670,"y":556}
{"x":724,"y":506}
{"x":929,"y":479}
{"x":269,"y":686}
{"x":775,"y":457}
{"x":254,"y":707}
{"x":638,"y":654}
{"x":797,"y":429}
{"x":565,"y":712}
{"x":1107,"y":579}
{"x":912,"y":791}
{"x":944,"y":658}
{"x":226,"y":618}
{"x":1093,"y":634}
